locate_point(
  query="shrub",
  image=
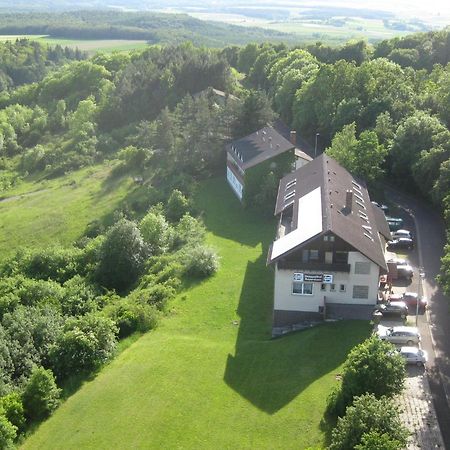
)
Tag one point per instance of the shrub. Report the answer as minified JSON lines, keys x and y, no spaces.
{"x":177,"y":206}
{"x":163,"y":269}
{"x":371,"y":367}
{"x":156,"y":232}
{"x":87,"y":342}
{"x":41,"y":394}
{"x":189,"y":231}
{"x":376,"y":441}
{"x":130,"y":317}
{"x":8,"y":433}
{"x":121,"y":256}
{"x":13,"y":410}
{"x":30,"y":333}
{"x":157,"y":295}
{"x":374,"y":367}
{"x":54,"y":263}
{"x":90,"y":255}
{"x":368,"y":415}
{"x":200,"y":261}
{"x":78,"y":298}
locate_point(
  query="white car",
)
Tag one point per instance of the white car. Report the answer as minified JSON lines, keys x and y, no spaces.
{"x":414,"y":355}
{"x":399,"y":335}
{"x":401,"y":234}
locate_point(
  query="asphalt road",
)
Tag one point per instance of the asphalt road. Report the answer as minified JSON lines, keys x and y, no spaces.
{"x":435,"y":324}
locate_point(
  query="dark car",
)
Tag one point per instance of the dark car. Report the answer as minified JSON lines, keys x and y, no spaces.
{"x":394,"y":308}
{"x":401,"y":244}
{"x":395,"y":223}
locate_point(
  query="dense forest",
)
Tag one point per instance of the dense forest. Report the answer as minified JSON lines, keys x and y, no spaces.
{"x":382,"y":111}
{"x":153,"y":27}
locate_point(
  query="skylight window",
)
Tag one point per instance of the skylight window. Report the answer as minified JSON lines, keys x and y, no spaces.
{"x":357,"y":186}
{"x":364,"y":218}
{"x":291,"y":183}
{"x":289,"y":196}
{"x":360,"y":204}
{"x":368,"y":236}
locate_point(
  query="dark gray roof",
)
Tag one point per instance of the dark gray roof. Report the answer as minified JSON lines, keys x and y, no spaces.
{"x":301,"y":143}
{"x":380,"y":220}
{"x":358,"y":226}
{"x":258,"y":147}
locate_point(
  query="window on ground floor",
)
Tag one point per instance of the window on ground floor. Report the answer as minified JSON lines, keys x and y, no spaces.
{"x":342,"y":288}
{"x":299,"y":288}
{"x":360,"y":291}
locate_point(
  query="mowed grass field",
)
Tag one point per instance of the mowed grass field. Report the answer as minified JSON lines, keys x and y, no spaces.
{"x":42,"y":213}
{"x":210,"y":376}
{"x":90,"y":46}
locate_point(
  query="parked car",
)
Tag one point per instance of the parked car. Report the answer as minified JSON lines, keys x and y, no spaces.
{"x":411,"y":299}
{"x":399,"y":335}
{"x":401,"y":244}
{"x":414,"y":355}
{"x":393,"y":308}
{"x":401,"y":233}
{"x":395,"y":223}
{"x":381,"y":206}
{"x":404,"y":269}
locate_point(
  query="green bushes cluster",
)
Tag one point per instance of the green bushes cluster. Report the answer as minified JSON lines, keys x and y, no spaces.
{"x":62,"y":310}
{"x":369,"y":421}
{"x":373,"y":372}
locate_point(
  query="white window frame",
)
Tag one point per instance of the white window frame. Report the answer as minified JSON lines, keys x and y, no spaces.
{"x":302,"y":284}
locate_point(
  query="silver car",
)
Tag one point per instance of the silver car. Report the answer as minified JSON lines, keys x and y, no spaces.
{"x":414,"y":355}
{"x":402,"y":234}
{"x":399,"y":335}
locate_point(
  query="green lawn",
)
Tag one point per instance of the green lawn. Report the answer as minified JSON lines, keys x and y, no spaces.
{"x":40,"y":213}
{"x":210,"y":376}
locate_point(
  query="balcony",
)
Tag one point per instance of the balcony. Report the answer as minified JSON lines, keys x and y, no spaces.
{"x":314,"y":266}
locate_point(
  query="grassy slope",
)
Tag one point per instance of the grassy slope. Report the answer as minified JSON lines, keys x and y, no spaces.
{"x":210,"y":377}
{"x":57,"y":211}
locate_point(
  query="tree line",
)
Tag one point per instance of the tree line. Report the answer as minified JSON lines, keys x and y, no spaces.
{"x":23,"y":61}
{"x":152,"y":27}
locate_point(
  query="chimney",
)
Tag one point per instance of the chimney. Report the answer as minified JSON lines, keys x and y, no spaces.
{"x":348,"y":201}
{"x":293,"y":137}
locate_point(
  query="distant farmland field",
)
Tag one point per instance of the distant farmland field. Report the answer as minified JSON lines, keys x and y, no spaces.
{"x":86,"y":45}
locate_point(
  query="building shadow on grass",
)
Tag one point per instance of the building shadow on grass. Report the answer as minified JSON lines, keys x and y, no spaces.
{"x":270,"y":373}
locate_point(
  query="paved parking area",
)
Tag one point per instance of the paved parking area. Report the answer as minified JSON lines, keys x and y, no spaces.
{"x":416,"y":402}
{"x":418,"y":413}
